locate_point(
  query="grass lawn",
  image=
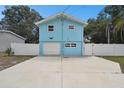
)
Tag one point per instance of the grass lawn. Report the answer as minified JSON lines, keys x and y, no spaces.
{"x":118,"y":59}
{"x":8,"y":61}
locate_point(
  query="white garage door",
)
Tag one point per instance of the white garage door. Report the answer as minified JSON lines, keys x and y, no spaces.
{"x":51,"y":48}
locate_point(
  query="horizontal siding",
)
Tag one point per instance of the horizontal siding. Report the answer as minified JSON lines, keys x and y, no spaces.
{"x":45,"y":35}
{"x":6,"y":39}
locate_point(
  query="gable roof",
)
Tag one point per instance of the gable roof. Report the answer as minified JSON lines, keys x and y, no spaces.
{"x":7,"y":31}
{"x":61,"y":15}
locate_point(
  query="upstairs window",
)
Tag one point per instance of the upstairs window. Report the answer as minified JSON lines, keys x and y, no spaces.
{"x":50,"y":28}
{"x":71,"y":27}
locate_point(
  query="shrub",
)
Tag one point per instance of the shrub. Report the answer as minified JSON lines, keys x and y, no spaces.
{"x":9,"y":51}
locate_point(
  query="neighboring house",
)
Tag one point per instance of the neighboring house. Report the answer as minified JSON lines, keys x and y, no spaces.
{"x":87,"y":39}
{"x":61,"y":34}
{"x":8,"y":37}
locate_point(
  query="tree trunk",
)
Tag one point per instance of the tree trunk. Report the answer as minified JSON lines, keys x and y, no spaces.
{"x":121,"y":34}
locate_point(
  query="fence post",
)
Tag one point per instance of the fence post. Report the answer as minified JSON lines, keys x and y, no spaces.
{"x":92,"y":49}
{"x":114,"y":49}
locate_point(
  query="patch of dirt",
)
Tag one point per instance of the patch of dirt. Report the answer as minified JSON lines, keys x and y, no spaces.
{"x":8,"y":61}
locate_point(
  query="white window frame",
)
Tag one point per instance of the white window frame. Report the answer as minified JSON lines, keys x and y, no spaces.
{"x":70,"y":44}
{"x":48,"y":27}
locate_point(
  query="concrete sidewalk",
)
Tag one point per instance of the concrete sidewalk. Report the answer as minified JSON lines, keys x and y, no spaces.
{"x":66,"y":72}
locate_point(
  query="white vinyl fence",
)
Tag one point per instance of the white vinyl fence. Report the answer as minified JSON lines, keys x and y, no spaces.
{"x":89,"y":49}
{"x":104,"y":49}
{"x":25,"y":49}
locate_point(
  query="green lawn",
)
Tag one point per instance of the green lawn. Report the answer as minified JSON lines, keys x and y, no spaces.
{"x":118,"y":59}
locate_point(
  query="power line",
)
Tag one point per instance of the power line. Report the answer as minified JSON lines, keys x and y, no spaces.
{"x":66,"y":9}
{"x":76,"y":10}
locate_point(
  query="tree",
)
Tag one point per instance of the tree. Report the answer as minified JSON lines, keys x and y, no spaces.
{"x":119,"y":25}
{"x":20,"y":19}
{"x":109,"y":23}
{"x":97,"y":28}
{"x":90,"y":27}
{"x":116,"y":12}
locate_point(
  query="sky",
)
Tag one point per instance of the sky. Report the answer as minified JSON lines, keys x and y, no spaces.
{"x":83,"y":12}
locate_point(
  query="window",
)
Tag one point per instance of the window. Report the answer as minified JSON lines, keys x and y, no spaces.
{"x":50,"y":27}
{"x":73,"y":44}
{"x":67,"y":44}
{"x":70,"y":45}
{"x":71,"y":27}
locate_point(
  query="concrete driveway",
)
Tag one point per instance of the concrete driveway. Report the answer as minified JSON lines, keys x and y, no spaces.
{"x":63,"y":72}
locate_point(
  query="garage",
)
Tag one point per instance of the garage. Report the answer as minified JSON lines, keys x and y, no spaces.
{"x":51,"y":49}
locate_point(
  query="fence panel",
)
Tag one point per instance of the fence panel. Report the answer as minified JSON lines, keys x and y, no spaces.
{"x":25,"y":49}
{"x":103,"y":49}
{"x":89,"y":49}
{"x":119,"y":49}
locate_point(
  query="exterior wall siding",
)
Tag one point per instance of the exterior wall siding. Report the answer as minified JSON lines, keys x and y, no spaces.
{"x":6,"y":39}
{"x":56,"y":34}
{"x":70,"y":34}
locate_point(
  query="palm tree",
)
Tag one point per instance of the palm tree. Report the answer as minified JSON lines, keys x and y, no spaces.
{"x":119,"y":26}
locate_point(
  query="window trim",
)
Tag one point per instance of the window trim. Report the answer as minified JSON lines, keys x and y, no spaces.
{"x":48,"y":27}
{"x":70,"y":45}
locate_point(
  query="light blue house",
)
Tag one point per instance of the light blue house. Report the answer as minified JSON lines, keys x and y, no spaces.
{"x":61,"y":34}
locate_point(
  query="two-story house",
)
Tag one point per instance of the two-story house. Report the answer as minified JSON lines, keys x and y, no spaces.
{"x":61,"y":34}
